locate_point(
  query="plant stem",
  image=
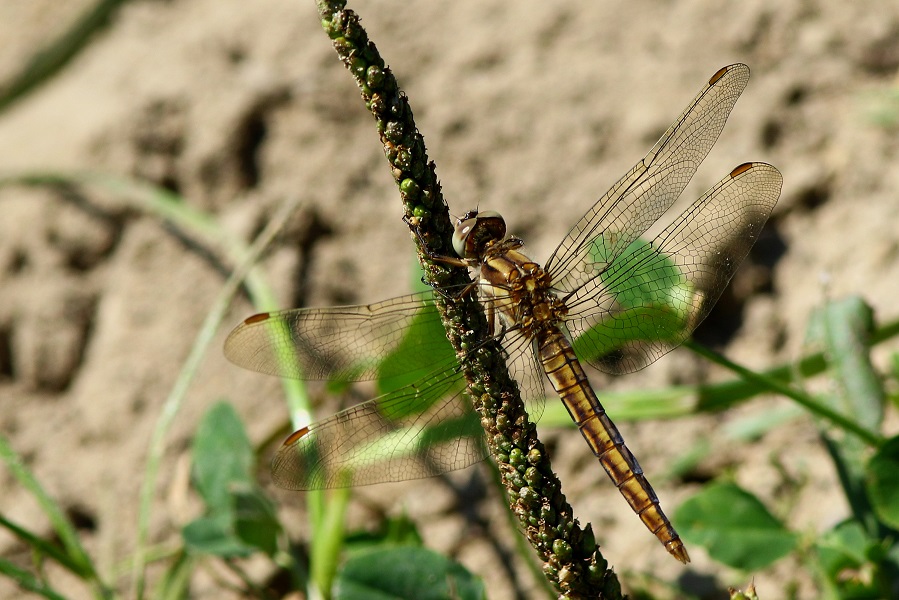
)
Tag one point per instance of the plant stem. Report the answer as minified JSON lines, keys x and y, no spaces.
{"x":807,"y":401}
{"x":570,"y":557}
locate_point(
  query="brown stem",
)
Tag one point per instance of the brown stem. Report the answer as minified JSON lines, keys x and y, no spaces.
{"x":571,"y":560}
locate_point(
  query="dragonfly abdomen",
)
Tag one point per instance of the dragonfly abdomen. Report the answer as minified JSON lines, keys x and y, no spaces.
{"x":570,"y":382}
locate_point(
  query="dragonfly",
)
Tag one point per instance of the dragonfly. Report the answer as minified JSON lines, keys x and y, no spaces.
{"x":605,"y":296}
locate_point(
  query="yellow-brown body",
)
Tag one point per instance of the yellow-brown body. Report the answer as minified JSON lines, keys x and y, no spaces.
{"x":520,"y":292}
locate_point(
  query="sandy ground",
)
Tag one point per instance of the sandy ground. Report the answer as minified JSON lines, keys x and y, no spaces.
{"x":532,"y":109}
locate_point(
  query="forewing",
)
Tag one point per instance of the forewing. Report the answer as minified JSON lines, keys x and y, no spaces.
{"x":652,"y":186}
{"x":346,"y":343}
{"x":524,"y":368}
{"x":416,"y":431}
{"x":654,"y":295}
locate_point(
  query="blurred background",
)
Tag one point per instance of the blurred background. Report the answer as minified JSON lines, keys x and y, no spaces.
{"x":530,"y":109}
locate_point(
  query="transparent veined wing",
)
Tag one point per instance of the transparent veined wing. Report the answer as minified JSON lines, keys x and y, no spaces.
{"x":649,"y":189}
{"x":384,"y":340}
{"x":649,"y":298}
{"x":418,"y":430}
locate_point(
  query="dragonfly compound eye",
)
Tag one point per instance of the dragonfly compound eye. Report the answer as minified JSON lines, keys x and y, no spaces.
{"x":475,"y":229}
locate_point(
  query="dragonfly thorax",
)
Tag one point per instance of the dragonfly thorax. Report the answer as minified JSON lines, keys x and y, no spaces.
{"x":518,"y":289}
{"x":475,"y":231}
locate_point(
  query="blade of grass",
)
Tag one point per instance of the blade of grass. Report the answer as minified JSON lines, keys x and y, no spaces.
{"x":677,"y":401}
{"x":47,"y":62}
{"x":159,"y":202}
{"x":175,"y":582}
{"x":176,"y":397}
{"x":722,"y":395}
{"x":843,"y":327}
{"x":27,"y":581}
{"x":328,"y":535}
{"x":79,"y":559}
{"x":631,"y":405}
{"x":172,"y":208}
{"x":43,"y":547}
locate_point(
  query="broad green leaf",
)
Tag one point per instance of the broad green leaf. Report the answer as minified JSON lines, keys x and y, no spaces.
{"x":222,"y":456}
{"x":845,"y":327}
{"x":735,"y":527}
{"x":240,"y":519}
{"x":393,"y":531}
{"x":882,"y":482}
{"x":406,"y":572}
{"x":640,"y":276}
{"x":843,"y":547}
{"x":845,"y":555}
{"x":255,"y":520}
{"x":427,"y":326}
{"x":467,"y":425}
{"x":214,"y":535}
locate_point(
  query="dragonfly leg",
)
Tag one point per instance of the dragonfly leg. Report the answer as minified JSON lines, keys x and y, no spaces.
{"x":491,"y":318}
{"x":452,"y":261}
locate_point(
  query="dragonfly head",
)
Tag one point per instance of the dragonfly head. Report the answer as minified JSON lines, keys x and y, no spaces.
{"x":475,"y":229}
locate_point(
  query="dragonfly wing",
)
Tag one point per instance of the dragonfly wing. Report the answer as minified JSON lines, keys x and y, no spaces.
{"x":639,"y":198}
{"x":653,"y":296}
{"x":416,"y":431}
{"x":346,"y":343}
{"x":524,"y":368}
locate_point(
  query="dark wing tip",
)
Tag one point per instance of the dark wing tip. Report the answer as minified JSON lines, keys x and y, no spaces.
{"x":257,"y":318}
{"x":723,"y":70}
{"x":740,"y":169}
{"x":296,"y":435}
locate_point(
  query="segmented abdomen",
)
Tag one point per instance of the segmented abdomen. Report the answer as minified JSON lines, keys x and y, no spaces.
{"x":570,"y":382}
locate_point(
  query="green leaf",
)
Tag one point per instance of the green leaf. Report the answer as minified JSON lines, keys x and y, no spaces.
{"x":174,"y":583}
{"x":843,"y":547}
{"x":641,"y":276}
{"x":845,"y":558}
{"x":466,"y":425}
{"x":240,"y":518}
{"x":393,"y":531}
{"x":28,"y":581}
{"x":735,"y":527}
{"x":882,"y":482}
{"x":845,"y":327}
{"x":222,"y":456}
{"x":255,"y":520}
{"x":214,"y":535}
{"x":406,"y":572}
